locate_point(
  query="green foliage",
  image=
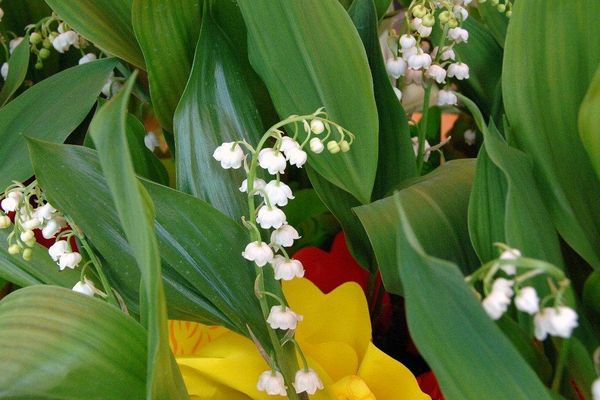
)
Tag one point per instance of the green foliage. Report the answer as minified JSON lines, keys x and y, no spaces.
{"x":17,"y":70}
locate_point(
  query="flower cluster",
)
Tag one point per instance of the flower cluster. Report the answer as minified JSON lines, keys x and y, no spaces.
{"x":319,"y":134}
{"x":411,"y":59}
{"x":500,"y":291}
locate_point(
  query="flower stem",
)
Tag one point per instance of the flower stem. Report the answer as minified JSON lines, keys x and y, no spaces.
{"x":423,"y":129}
{"x":560,"y":365}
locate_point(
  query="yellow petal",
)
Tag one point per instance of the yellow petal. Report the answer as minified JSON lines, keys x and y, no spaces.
{"x":187,"y":337}
{"x":387,"y":378}
{"x":339,"y":316}
{"x":352,"y":388}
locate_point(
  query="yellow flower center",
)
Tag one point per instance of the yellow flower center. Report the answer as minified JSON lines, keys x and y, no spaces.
{"x":352,"y":388}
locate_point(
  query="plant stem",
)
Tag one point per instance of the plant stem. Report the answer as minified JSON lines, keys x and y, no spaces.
{"x":560,"y":365}
{"x":98,"y":267}
{"x":423,"y":129}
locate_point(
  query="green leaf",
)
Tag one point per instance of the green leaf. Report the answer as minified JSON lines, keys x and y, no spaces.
{"x":145,"y":162}
{"x":396,"y":156}
{"x":41,"y":268}
{"x":167,"y":32}
{"x":309,"y":55}
{"x":505,"y":204}
{"x":50,"y":110}
{"x":496,"y":22}
{"x":210,"y":114}
{"x":58,"y":344}
{"x":542,"y":110}
{"x":17,"y":70}
{"x":466,"y":351}
{"x":589,"y":122}
{"x":136,"y":213}
{"x":107,"y":24}
{"x":436,"y":206}
{"x":192,"y":236}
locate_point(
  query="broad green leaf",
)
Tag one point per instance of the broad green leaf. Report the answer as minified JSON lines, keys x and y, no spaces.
{"x":589,"y":122}
{"x":542,"y":110}
{"x":496,"y":22}
{"x":381,"y":6}
{"x":484,"y":57}
{"x":216,"y":107}
{"x":469,"y":355}
{"x":167,"y":31}
{"x":436,"y":206}
{"x":17,"y":70}
{"x":19,"y":13}
{"x":193,"y":238}
{"x":136,"y":213}
{"x":310,"y":56}
{"x":50,"y":110}
{"x":40,"y":270}
{"x":107,"y":24}
{"x":58,"y":344}
{"x":505,"y":204}
{"x":396,"y":155}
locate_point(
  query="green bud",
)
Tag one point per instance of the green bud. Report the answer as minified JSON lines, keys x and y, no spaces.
{"x":428,"y":20}
{"x":452,"y":23}
{"x":47,"y":43}
{"x":333,"y":147}
{"x":419,"y":11}
{"x":509,"y":13}
{"x":445,"y":17}
{"x":501,"y":7}
{"x":14,"y":249}
{"x":344,"y":146}
{"x":495,"y":2}
{"x":35,"y":38}
{"x":44,"y":54}
{"x":482,"y":1}
{"x":27,"y":254}
{"x":39,"y":65}
{"x":52,"y":36}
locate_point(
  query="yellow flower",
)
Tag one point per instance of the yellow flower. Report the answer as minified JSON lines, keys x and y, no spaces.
{"x":335,"y":336}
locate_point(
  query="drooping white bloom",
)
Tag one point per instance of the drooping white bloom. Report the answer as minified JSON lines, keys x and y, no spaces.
{"x":230,"y":154}
{"x":297,"y":157}
{"x":270,"y":217}
{"x":396,"y":67}
{"x":259,"y":252}
{"x":69,"y":260}
{"x":287,"y":269}
{"x":419,"y":61}
{"x":459,"y":35}
{"x":64,"y":41}
{"x":258,"y":185}
{"x":151,"y":141}
{"x":398,"y":93}
{"x":111,"y":85}
{"x":11,"y":201}
{"x":44,"y":213}
{"x":424,"y":31}
{"x":408,"y":53}
{"x":459,"y":71}
{"x":52,"y":227}
{"x":460,"y":12}
{"x":272,"y":383}
{"x":470,"y":137}
{"x":4,"y":222}
{"x":416,"y":23}
{"x":552,"y":321}
{"x":527,"y":300}
{"x":446,"y":98}
{"x":426,"y":146}
{"x":32,"y":223}
{"x":89,"y":57}
{"x":437,"y":73}
{"x":272,"y":160}
{"x":510,"y":254}
{"x":497,"y":302}
{"x":86,"y":287}
{"x":316,"y":126}
{"x":284,"y":236}
{"x":287,"y":144}
{"x":12,"y":45}
{"x":58,"y":249}
{"x":596,"y":389}
{"x":407,"y":41}
{"x":316,"y":146}
{"x":283,"y":318}
{"x":448,"y":54}
{"x":4,"y":70}
{"x":278,"y":193}
{"x":307,"y":381}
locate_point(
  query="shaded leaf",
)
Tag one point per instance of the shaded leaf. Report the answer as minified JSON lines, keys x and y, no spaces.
{"x":589,"y":122}
{"x":17,"y":70}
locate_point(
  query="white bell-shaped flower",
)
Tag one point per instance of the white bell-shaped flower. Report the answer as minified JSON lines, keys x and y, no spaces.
{"x":45,"y":212}
{"x":552,"y":321}
{"x":278,"y":193}
{"x":460,"y":12}
{"x":69,"y":260}
{"x":459,"y":35}
{"x":437,"y":73}
{"x":270,"y":217}
{"x":419,"y":61}
{"x":230,"y":155}
{"x":307,"y":381}
{"x":4,"y":70}
{"x":86,"y":287}
{"x":459,"y":71}
{"x":287,"y":144}
{"x":58,"y":249}
{"x":425,"y":31}
{"x":63,"y":42}
{"x":11,"y":202}
{"x":510,"y":254}
{"x":89,"y":57}
{"x":497,"y":302}
{"x":259,"y":252}
{"x":396,"y":67}
{"x":52,"y":227}
{"x":284,"y":236}
{"x":259,"y":184}
{"x":272,"y":383}
{"x":446,"y":98}
{"x":317,"y":126}
{"x":408,"y":53}
{"x":151,"y":141}
{"x":287,"y":269}
{"x":272,"y":160}
{"x":407,"y":41}
{"x":283,"y":318}
{"x":416,"y":23}
{"x":426,"y":147}
{"x":527,"y":300}
{"x":297,"y":157}
{"x":316,"y":146}
{"x":448,"y":54}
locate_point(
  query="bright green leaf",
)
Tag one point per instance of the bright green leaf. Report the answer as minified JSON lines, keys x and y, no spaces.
{"x":589,"y":122}
{"x":50,"y":110}
{"x":17,"y":70}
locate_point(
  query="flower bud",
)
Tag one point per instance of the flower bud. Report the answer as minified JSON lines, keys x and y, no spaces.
{"x":344,"y":146}
{"x":317,"y":126}
{"x":4,"y":70}
{"x":47,"y":43}
{"x":39,"y":65}
{"x":27,"y":236}
{"x":444,"y":17}
{"x":14,"y":249}
{"x":316,"y":146}
{"x":407,"y":41}
{"x":501,"y":8}
{"x":452,"y":23}
{"x":44,"y":53}
{"x":333,"y":147}
{"x":429,"y":20}
{"x":27,"y":254}
{"x":86,"y":287}
{"x":419,"y":11}
{"x":4,"y":222}
{"x":35,"y":38}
